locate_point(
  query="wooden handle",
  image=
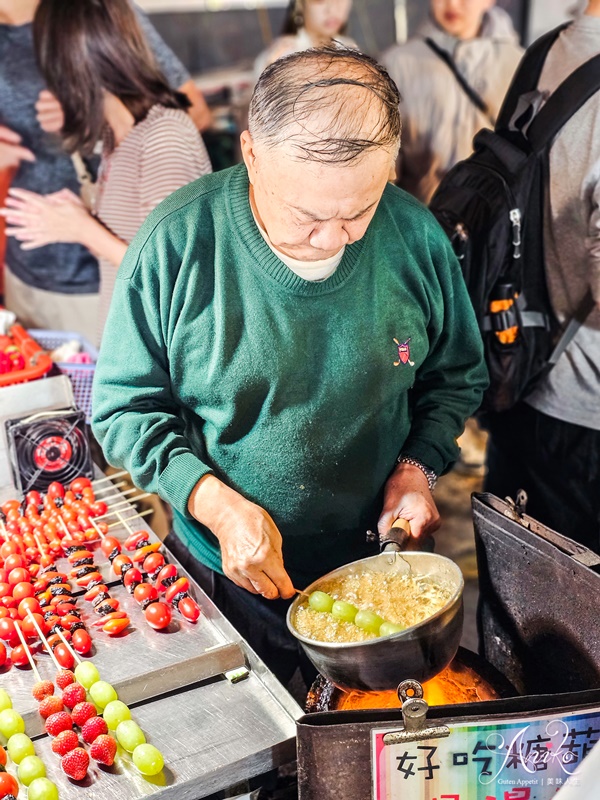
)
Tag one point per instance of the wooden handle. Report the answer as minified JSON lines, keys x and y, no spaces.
{"x":402,"y":523}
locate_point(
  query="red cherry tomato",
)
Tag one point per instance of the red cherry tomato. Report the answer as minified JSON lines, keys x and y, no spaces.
{"x":5,"y":590}
{"x":8,"y":785}
{"x":18,"y":656}
{"x":2,"y":663}
{"x":33,"y":498}
{"x":145,"y":592}
{"x":79,"y":484}
{"x":3,"y":575}
{"x":81,"y":641}
{"x":8,"y":632}
{"x":109,"y":543}
{"x":97,"y":509}
{"x":55,"y":490}
{"x":23,"y":590}
{"x":4,"y":612}
{"x":189,"y":609}
{"x":18,"y":575}
{"x":8,"y":548}
{"x":180,"y":585}
{"x":119,"y":562}
{"x":153,"y":563}
{"x":29,"y":629}
{"x":131,"y":578}
{"x":9,"y":505}
{"x":158,"y":615}
{"x":88,"y":495}
{"x":29,"y":604}
{"x":115,"y":626}
{"x":68,"y":515}
{"x":64,"y":656}
{"x":69,"y":498}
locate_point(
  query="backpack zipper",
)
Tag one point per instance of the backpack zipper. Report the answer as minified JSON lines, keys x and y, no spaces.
{"x":514,"y":214}
{"x":515,"y":219}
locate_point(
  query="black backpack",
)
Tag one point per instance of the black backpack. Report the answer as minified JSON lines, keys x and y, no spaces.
{"x":492,"y":207}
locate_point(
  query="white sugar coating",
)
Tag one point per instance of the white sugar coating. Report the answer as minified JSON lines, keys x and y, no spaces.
{"x":401,"y":599}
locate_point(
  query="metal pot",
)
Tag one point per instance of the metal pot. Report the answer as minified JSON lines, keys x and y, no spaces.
{"x":418,"y":652}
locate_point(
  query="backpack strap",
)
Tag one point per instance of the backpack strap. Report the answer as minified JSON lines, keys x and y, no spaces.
{"x":527,"y":76}
{"x":587,"y":305}
{"x":471,"y":93}
{"x":563,"y":103}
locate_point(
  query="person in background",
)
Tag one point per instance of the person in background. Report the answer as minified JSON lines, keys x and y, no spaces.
{"x":308,"y":355}
{"x":439,"y":118}
{"x":549,"y":445}
{"x":54,"y":287}
{"x":308,"y":23}
{"x":151,"y":147}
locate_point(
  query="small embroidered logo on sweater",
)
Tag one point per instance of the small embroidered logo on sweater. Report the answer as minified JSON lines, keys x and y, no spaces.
{"x":403,"y":353}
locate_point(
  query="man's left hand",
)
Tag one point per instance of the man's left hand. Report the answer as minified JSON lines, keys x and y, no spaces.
{"x":407,"y":496}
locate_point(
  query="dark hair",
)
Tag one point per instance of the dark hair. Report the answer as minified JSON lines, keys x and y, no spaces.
{"x":294,"y":18}
{"x":86,"y":46}
{"x":303,"y":100}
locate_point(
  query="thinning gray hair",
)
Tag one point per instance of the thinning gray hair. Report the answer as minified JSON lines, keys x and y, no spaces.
{"x":331,"y":104}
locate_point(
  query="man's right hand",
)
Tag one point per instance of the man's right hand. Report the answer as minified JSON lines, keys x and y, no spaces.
{"x":11,"y":152}
{"x":251,"y":545}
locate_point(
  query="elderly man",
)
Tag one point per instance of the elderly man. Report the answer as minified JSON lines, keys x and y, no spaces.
{"x":439,"y":118}
{"x":290,"y":353}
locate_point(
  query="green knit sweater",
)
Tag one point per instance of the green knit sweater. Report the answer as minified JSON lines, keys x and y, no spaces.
{"x":300,"y":395}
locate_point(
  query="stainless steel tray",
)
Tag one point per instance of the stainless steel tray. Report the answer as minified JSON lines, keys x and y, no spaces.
{"x":143,"y":662}
{"x":211,"y":736}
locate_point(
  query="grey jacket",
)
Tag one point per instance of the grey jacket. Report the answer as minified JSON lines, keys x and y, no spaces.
{"x":439,"y":120}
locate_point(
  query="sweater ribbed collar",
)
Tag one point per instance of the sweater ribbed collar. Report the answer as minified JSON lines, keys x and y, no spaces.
{"x":245,"y":227}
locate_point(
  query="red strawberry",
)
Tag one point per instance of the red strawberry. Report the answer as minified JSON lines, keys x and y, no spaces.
{"x":64,"y":678}
{"x":104,"y":749}
{"x":75,"y":764}
{"x":50,"y":705}
{"x":73,"y":694}
{"x":57,"y":723}
{"x":65,"y":742}
{"x":82,"y":712}
{"x":93,"y":728}
{"x":42,"y":689}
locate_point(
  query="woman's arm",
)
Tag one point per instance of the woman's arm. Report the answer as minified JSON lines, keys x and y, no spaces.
{"x":37,"y":220}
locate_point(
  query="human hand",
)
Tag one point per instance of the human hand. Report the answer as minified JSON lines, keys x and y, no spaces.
{"x":11,"y":152}
{"x":49,"y":112}
{"x":37,"y":220}
{"x":251,"y":545}
{"x":407,"y":495}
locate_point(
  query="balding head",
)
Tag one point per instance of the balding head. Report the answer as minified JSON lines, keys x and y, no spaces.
{"x":332,"y":105}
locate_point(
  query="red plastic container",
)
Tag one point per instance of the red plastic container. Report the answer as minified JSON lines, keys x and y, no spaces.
{"x":37,"y":362}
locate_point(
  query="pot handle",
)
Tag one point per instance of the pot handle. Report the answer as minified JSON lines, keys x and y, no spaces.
{"x":398,"y":536}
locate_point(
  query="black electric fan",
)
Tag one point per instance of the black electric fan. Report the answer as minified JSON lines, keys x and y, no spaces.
{"x":47,"y":447}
